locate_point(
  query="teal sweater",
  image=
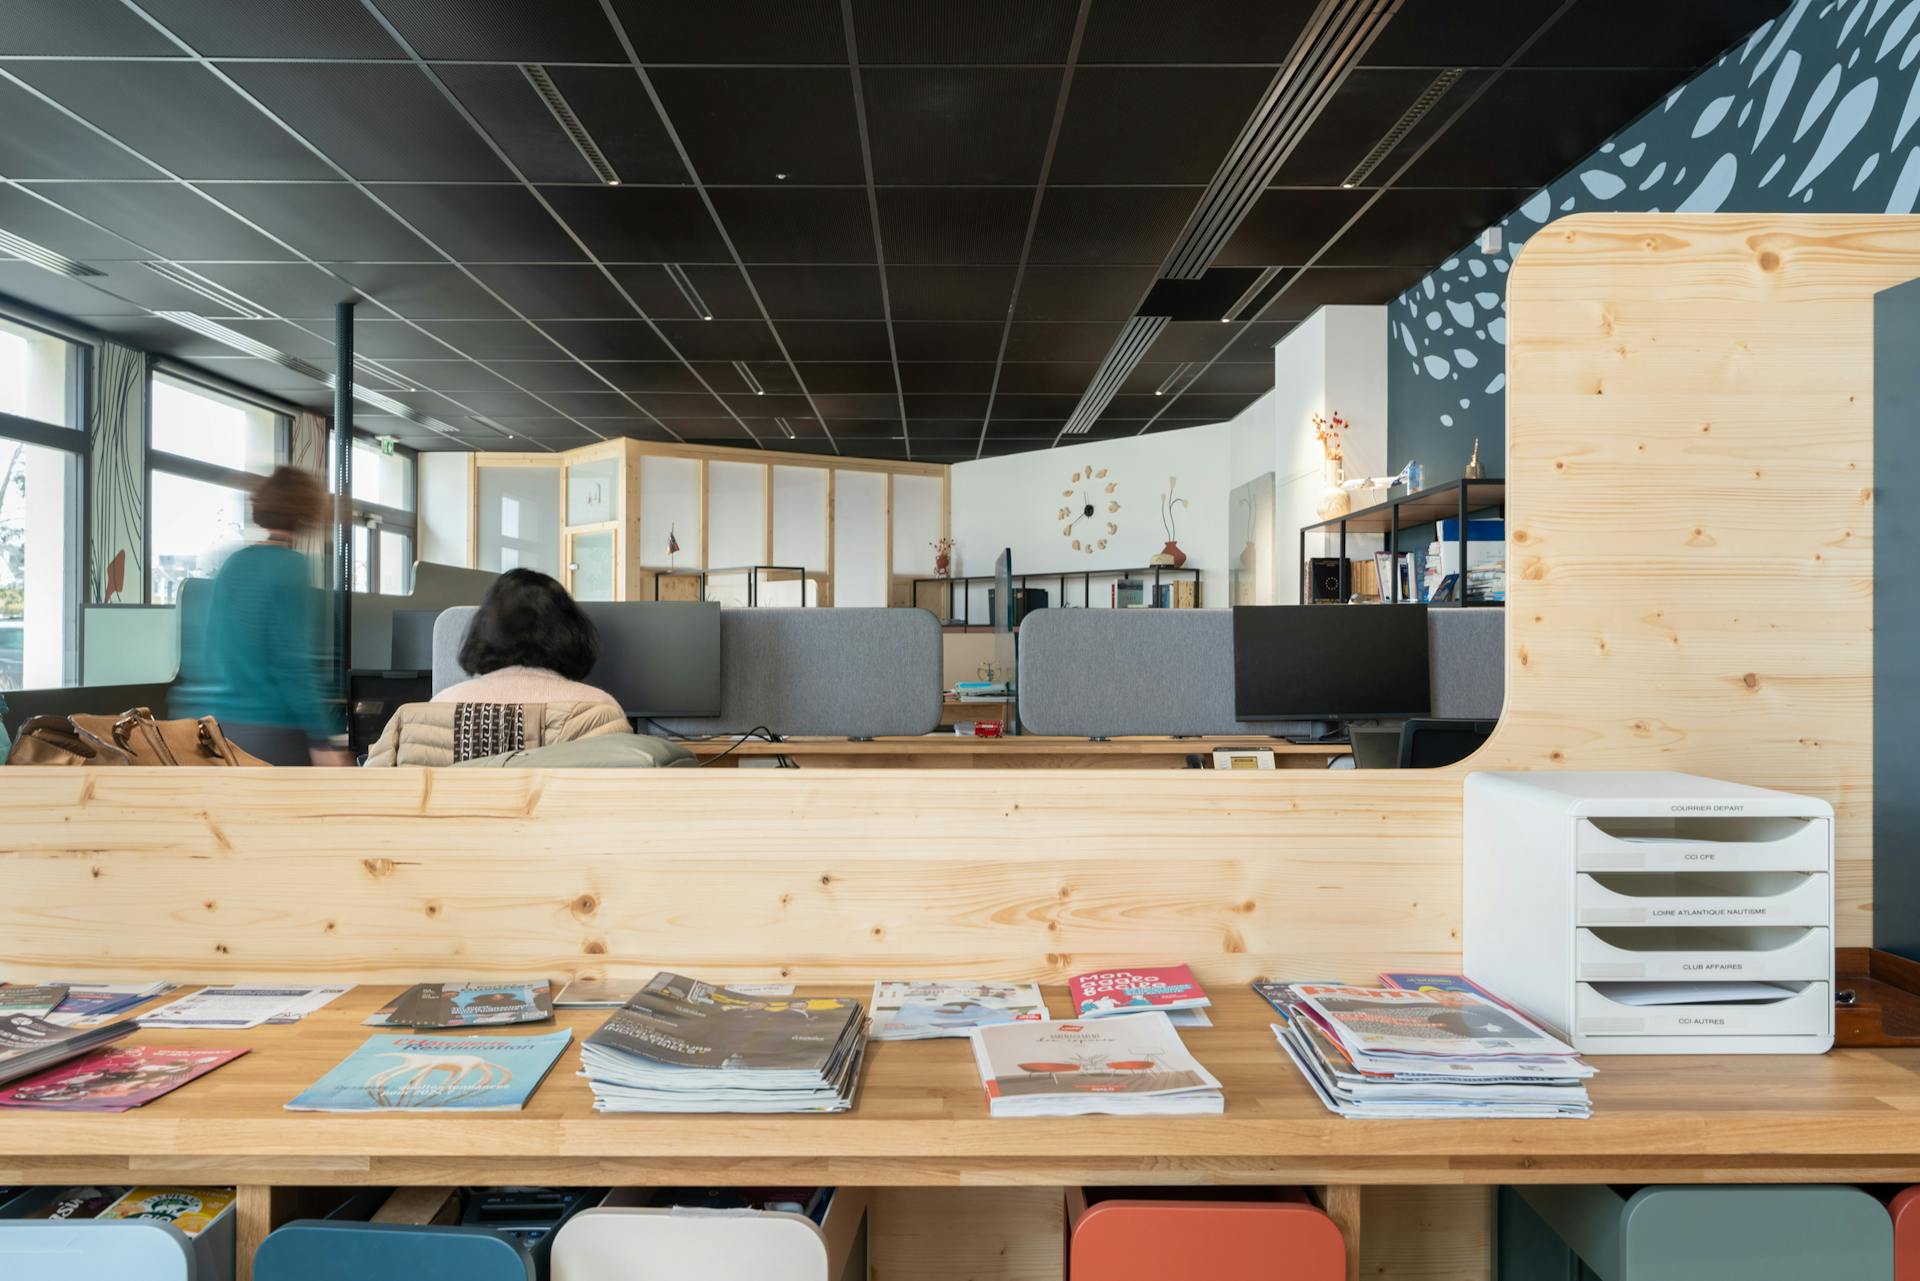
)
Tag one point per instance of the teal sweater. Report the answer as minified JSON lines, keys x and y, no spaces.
{"x":262,"y":636}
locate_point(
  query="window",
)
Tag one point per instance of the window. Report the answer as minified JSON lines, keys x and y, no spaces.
{"x":40,"y":538}
{"x":206,"y":449}
{"x":382,"y":479}
{"x":384,"y":524}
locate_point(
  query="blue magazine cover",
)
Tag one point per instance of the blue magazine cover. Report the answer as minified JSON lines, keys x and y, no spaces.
{"x":424,"y":1071}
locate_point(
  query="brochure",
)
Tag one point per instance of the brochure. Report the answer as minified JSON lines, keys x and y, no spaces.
{"x":89,"y":1003}
{"x":38,"y":1000}
{"x":590,"y":992}
{"x":240,"y":1007}
{"x":192,"y":1210}
{"x":1439,"y":983}
{"x":420,"y":1072}
{"x":1108,"y":992}
{"x":29,"y":1045}
{"x":76,"y":1203}
{"x":1132,"y":1064}
{"x":114,"y":1080}
{"x":918,"y":1009}
{"x":1395,"y":1022}
{"x":453,"y":1005}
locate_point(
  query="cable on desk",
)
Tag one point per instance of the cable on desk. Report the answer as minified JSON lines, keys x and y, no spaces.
{"x":758,"y":731}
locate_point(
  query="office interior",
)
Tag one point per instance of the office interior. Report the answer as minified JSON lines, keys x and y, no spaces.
{"x":1239,"y":426}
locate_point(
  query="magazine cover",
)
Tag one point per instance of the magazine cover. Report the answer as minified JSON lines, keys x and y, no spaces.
{"x":1165,"y":987}
{"x":682,"y":1022}
{"x":189,"y":1209}
{"x":1440,"y":983}
{"x":114,"y":1080}
{"x":1377,"y":1020}
{"x":914,"y":1009}
{"x":76,"y":1203}
{"x":451,"y":1005}
{"x":93,"y":1002}
{"x":422,"y":1072}
{"x":38,"y":1000}
{"x":1140,"y":1054}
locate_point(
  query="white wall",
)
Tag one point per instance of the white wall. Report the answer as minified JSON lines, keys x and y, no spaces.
{"x":443,"y":499}
{"x":1014,"y":502}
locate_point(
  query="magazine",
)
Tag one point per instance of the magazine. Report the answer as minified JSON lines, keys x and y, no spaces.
{"x":1396,"y":1022}
{"x":88,"y":1003}
{"x":114,"y":1080}
{"x":75,"y":1203}
{"x":1103,"y":993}
{"x":192,"y":1210}
{"x":240,"y":1007}
{"x":1133,"y":1064}
{"x":38,"y":1000}
{"x":681,"y":1045}
{"x":1439,"y":983}
{"x":607,"y":992}
{"x":453,"y":1005}
{"x":919,"y":1009}
{"x":419,"y":1072}
{"x":29,"y":1045}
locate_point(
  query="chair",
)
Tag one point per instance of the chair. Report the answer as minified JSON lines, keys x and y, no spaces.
{"x":332,"y":1250}
{"x":1905,"y":1211}
{"x":1284,"y":1239}
{"x":669,"y":1244}
{"x":1709,"y":1233}
{"x":1428,"y":742}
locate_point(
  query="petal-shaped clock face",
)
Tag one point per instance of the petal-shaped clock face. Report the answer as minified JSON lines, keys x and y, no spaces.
{"x":1087,"y":503}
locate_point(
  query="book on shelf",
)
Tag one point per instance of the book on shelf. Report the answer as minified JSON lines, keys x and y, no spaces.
{"x":1129,"y":593}
{"x":1393,"y":1052}
{"x":681,"y":1045}
{"x":455,"y":1005}
{"x":115,"y":1079}
{"x":191,"y":1210}
{"x":29,"y":1044}
{"x":429,"y":1072}
{"x":920,"y":1009}
{"x":1133,"y":1065}
{"x":1102,"y":993}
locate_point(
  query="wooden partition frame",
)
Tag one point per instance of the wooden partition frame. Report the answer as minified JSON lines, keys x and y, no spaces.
{"x":1690,"y":578}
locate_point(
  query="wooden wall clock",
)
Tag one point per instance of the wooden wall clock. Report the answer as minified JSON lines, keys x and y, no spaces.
{"x":1088,"y":506}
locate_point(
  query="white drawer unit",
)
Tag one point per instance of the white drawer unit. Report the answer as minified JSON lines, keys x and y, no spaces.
{"x":1653,"y":913}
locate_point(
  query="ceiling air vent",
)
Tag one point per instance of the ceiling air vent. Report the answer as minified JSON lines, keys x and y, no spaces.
{"x":230,"y":303}
{"x":41,"y":256}
{"x":1336,"y":37}
{"x":1428,"y":99}
{"x":557,"y":103}
{"x":1120,"y":360}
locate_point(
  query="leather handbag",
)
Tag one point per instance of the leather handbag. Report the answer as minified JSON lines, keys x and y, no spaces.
{"x":134,"y":737}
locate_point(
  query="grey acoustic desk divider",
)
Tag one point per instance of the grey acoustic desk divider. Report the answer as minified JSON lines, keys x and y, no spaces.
{"x":834,"y":673}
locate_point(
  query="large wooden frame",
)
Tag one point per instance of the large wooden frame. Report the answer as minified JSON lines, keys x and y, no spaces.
{"x":1690,"y":476}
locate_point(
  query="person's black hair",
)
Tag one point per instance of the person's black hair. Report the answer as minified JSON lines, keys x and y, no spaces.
{"x":526,"y":619}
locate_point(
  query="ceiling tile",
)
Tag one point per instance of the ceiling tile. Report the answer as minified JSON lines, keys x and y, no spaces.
{"x":946,"y":377}
{"x":957,"y":126}
{"x":424,"y":291}
{"x":608,"y":339}
{"x":206,"y":130}
{"x":721,"y":339}
{"x":1193,"y":31}
{"x":797,"y":225}
{"x":1288,"y":226}
{"x":1241,"y":378}
{"x":1429,"y":33}
{"x":1052,"y":378}
{"x":513,"y":115}
{"x":776,"y":377}
{"x":751,"y":124}
{"x":947,"y":340}
{"x":1067,"y":341}
{"x":670,"y":407}
{"x":613,"y":105}
{"x":819,"y":293}
{"x":216,"y":30}
{"x":950,"y":293}
{"x":923,"y":225}
{"x":1613,"y":33}
{"x":24,"y":214}
{"x":1118,"y":128}
{"x":579,"y":292}
{"x":848,"y":377}
{"x":956,"y":407}
{"x":883,"y":407}
{"x":964,"y":31}
{"x":165,"y":219}
{"x":547,"y":375}
{"x":482,"y":223}
{"x":285,"y":289}
{"x":720,"y":288}
{"x":669,"y":376}
{"x":494,"y":339}
{"x":62,"y":295}
{"x":1111,"y":224}
{"x":1034,"y":407}
{"x":42,"y":142}
{"x":1100,"y":292}
{"x":348,"y":111}
{"x":1420,"y":226}
{"x":328,"y":221}
{"x":836,"y":340}
{"x":1369,"y":102}
{"x":735,"y":31}
{"x":1349,"y":286}
{"x":504,"y":30}
{"x":448,"y":377}
{"x":80,"y":28}
{"x":633,"y":224}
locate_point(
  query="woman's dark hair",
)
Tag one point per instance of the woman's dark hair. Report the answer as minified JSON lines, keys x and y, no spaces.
{"x":526,"y":619}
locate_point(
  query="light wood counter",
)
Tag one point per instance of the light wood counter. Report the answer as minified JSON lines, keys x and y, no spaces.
{"x":1024,"y":751}
{"x":920,"y":1120}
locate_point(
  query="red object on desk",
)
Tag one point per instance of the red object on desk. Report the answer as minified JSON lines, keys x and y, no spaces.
{"x":986,"y":729}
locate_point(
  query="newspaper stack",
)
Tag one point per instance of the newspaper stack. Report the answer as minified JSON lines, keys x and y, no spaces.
{"x":1124,"y":1065}
{"x":681,"y":1045}
{"x":1390,"y":1052}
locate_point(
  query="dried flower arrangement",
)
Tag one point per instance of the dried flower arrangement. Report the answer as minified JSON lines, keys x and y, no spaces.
{"x":1328,"y":432}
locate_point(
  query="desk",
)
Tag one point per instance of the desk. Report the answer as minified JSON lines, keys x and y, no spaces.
{"x":1025,"y":751}
{"x":920,"y":1121}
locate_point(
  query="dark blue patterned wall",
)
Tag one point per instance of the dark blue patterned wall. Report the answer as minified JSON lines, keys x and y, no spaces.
{"x":1818,"y":110}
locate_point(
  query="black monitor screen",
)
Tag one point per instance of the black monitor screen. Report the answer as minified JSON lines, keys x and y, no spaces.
{"x":1329,"y":662}
{"x":658,"y":658}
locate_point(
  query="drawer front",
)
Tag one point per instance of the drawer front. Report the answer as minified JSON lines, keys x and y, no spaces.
{"x":1808,"y":957}
{"x":1809,"y":903}
{"x":1808,"y":849}
{"x":1807,"y":1014}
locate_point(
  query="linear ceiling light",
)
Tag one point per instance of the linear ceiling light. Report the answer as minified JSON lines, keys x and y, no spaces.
{"x":41,"y":256}
{"x":746,"y":376}
{"x":364,"y":365}
{"x":557,"y":103}
{"x":1178,"y":371}
{"x":1120,"y":360}
{"x":1336,"y":37}
{"x":786,"y":429}
{"x":230,"y":303}
{"x":679,"y":278}
{"x":1428,"y":99}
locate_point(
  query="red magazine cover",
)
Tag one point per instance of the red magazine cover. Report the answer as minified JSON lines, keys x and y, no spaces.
{"x":114,"y":1080}
{"x":1128,"y":991}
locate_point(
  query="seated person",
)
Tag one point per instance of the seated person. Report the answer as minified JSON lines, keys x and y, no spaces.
{"x":528,"y":647}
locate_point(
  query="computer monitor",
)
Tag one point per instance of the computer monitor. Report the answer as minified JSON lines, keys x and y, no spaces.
{"x":413,"y":640}
{"x":1330,"y":662}
{"x":658,"y":658}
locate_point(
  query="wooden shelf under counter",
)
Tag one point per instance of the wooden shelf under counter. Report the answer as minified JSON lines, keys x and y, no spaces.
{"x":1023,"y":751}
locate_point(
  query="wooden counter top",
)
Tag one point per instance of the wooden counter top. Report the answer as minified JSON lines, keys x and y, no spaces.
{"x":1023,"y":751}
{"x":920,"y":1120}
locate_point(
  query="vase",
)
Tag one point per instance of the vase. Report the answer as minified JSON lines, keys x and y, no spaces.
{"x":942,"y":565}
{"x":1169,"y":555}
{"x":1334,"y":501}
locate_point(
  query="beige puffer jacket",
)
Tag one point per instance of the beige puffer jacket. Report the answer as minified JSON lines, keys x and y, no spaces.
{"x":423,"y":733}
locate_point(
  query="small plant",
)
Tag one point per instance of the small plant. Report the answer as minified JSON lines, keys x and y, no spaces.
{"x":1167,"y":503}
{"x":1328,"y":431}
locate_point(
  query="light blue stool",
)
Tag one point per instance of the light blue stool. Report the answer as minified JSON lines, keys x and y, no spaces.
{"x":1713,"y":1233}
{"x":331,"y":1250}
{"x":109,"y":1249}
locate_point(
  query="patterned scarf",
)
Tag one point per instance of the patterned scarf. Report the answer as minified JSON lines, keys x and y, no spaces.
{"x":488,"y":729}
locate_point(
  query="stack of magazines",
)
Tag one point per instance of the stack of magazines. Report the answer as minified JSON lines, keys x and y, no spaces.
{"x":1126,"y":1065}
{"x":29,"y":1044}
{"x":681,"y":1045}
{"x":1390,"y":1052}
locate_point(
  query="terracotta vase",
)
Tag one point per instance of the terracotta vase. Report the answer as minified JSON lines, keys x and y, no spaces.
{"x":1169,"y":555}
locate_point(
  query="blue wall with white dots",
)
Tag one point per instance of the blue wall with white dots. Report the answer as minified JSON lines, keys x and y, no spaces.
{"x":1815,"y":111}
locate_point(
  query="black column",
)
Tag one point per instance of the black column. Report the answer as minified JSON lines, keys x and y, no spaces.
{"x":343,"y":491}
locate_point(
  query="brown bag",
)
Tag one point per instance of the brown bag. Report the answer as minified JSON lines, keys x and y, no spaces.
{"x":131,"y":738}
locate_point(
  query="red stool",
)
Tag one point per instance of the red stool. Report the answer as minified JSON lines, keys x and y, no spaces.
{"x":1905,"y":1209}
{"x":1283,"y":1239}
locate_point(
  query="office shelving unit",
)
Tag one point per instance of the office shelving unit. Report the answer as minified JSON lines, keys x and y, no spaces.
{"x":1453,"y":500}
{"x":959,"y":615}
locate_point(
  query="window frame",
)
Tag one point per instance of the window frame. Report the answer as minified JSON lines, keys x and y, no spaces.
{"x":375,"y":517}
{"x":70,"y":438}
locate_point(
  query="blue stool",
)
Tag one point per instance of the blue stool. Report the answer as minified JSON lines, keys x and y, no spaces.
{"x":330,"y":1250}
{"x":1712,"y":1233}
{"x":109,"y":1249}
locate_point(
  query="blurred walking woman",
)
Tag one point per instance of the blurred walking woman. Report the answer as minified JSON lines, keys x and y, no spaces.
{"x":262,"y":634}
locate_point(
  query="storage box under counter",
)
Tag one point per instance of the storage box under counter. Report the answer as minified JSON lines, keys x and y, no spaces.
{"x":1613,"y":907}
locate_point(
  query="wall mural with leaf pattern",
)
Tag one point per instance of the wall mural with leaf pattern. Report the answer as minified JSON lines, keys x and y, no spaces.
{"x":1815,"y":111}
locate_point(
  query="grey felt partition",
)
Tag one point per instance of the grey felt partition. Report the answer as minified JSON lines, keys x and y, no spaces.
{"x":837,"y":673}
{"x":1104,"y":673}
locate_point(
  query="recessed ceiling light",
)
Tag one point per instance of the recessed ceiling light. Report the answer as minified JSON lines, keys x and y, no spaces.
{"x":613,"y":182}
{"x":780,"y":177}
{"x":678,"y":276}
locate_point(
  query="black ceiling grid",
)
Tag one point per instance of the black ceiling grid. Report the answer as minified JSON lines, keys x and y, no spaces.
{"x":1026,"y":174}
